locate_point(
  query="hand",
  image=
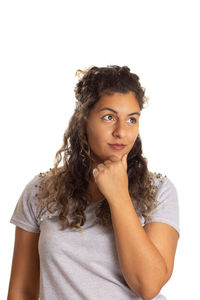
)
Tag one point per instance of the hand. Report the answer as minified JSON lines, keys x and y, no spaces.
{"x":111,"y":178}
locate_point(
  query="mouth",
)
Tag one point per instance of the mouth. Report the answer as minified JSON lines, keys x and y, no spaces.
{"x":117,"y":146}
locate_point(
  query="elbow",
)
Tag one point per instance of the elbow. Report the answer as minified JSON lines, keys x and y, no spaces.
{"x":150,"y":291}
{"x":148,"y":287}
{"x":146,"y":293}
{"x":149,"y":295}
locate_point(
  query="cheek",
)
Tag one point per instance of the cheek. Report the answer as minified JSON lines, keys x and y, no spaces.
{"x":132,"y":138}
{"x":133,"y":134}
{"x":94,"y":134}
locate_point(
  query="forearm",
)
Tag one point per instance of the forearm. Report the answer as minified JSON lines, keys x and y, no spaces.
{"x":141,"y":263}
{"x":21,"y":296}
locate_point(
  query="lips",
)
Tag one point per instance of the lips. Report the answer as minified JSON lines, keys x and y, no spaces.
{"x":117,"y":146}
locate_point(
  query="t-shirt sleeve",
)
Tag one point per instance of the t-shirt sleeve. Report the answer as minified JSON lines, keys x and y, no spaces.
{"x":167,"y":209}
{"x":27,"y":209}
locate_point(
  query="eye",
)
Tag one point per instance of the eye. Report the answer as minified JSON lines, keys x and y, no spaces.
{"x":134,"y":120}
{"x":107,"y":116}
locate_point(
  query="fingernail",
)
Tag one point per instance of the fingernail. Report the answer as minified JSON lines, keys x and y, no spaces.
{"x":94,"y":171}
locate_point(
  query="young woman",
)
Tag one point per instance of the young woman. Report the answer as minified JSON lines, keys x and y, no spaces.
{"x":100,"y":225}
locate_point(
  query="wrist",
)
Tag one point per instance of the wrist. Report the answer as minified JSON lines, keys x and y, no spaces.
{"x":119,"y":200}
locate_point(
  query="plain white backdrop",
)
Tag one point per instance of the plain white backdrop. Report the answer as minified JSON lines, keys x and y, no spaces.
{"x":43,"y":43}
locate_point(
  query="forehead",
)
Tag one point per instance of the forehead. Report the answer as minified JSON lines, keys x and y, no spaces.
{"x":122,"y":102}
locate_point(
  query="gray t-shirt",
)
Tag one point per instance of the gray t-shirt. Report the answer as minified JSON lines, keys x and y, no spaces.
{"x":84,"y":264}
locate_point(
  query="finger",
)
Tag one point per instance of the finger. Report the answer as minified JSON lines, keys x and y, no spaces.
{"x":114,"y":158}
{"x":107,"y":163}
{"x":124,"y":161}
{"x":100,"y":167}
{"x":95,"y":172}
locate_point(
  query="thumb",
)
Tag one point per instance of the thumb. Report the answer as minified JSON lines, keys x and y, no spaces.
{"x":124,"y":161}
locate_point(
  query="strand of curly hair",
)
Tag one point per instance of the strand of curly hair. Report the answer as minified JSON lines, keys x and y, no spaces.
{"x":71,"y":179}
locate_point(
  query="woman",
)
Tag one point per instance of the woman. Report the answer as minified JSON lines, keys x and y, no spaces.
{"x":119,"y":221}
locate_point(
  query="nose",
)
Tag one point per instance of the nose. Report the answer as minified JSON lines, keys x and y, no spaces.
{"x":119,"y":129}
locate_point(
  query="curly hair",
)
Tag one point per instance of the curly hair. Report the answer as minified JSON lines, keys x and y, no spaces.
{"x":71,"y":179}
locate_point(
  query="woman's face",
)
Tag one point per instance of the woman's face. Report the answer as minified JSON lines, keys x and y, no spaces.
{"x":113,"y":120}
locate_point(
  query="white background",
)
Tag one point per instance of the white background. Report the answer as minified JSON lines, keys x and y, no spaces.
{"x":43,"y":43}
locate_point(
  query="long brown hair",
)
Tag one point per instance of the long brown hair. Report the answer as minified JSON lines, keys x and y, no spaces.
{"x":71,"y":179}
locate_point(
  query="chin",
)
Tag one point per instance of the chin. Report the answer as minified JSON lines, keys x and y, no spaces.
{"x":101,"y":158}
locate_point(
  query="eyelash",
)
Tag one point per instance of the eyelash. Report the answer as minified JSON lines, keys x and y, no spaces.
{"x":112,"y":116}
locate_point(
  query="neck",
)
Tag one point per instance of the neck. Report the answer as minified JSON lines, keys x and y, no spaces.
{"x":93,"y":191}
{"x":94,"y":194}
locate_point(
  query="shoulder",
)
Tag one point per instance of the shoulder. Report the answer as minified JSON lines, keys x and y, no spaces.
{"x":28,"y":207}
{"x":30,"y":191}
{"x":167,"y":203}
{"x":164,"y":185}
{"x":34,"y":181}
{"x":158,"y":178}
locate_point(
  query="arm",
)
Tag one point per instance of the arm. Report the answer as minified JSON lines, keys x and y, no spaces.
{"x":25,"y":271}
{"x":145,"y":255}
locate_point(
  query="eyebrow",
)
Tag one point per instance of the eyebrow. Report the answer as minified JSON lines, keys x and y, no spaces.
{"x":108,"y":108}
